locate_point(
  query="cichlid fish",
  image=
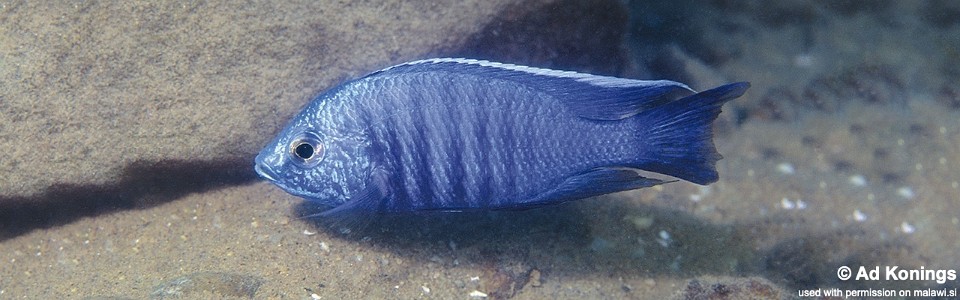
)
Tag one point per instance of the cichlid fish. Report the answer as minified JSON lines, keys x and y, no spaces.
{"x":455,"y":134}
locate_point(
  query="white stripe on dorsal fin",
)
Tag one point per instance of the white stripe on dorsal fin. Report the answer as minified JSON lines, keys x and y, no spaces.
{"x":588,"y":96}
{"x":598,"y":80}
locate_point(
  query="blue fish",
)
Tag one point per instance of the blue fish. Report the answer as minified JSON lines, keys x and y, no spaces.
{"x":454,"y":134}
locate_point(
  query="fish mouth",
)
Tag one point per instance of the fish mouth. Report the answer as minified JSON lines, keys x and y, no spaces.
{"x":265,"y":172}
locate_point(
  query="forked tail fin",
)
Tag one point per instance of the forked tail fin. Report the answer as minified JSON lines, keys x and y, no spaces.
{"x":678,"y":136}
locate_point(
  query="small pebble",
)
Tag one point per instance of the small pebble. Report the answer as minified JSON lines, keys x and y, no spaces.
{"x":858,"y":180}
{"x":324,"y":247}
{"x":787,"y":204}
{"x":664,"y":239}
{"x":478,"y":294}
{"x":905,"y":192}
{"x":703,"y":191}
{"x":859,"y":216}
{"x":907,"y":228}
{"x":640,"y":222}
{"x":785,"y":168}
{"x":535,"y":278}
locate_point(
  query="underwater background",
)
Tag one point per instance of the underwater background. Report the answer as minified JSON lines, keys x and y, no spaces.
{"x":128,"y":132}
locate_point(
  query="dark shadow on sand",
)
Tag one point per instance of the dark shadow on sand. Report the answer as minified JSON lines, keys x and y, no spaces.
{"x":600,"y":236}
{"x":582,"y":238}
{"x":141,"y":185}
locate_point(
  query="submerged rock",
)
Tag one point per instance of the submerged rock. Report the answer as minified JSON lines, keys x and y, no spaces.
{"x":731,"y":288}
{"x":215,"y":283}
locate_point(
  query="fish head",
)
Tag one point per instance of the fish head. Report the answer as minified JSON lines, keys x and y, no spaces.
{"x":318,"y":156}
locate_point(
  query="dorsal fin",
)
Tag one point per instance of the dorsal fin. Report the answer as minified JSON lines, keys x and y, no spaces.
{"x":588,"y":96}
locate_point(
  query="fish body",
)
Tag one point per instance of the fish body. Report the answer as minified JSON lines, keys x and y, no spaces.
{"x":459,"y":134}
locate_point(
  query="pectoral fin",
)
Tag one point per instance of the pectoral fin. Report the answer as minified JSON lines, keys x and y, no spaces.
{"x":372,"y":195}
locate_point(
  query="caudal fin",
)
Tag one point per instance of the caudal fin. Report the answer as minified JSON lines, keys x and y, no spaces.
{"x":678,"y":136}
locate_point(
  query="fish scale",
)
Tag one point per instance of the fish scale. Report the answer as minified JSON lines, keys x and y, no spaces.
{"x":459,"y":134}
{"x":428,"y":183}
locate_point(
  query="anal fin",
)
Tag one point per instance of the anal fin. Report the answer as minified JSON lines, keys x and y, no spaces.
{"x":592,"y":183}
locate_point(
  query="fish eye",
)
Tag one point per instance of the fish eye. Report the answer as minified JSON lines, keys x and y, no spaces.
{"x":306,"y":150}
